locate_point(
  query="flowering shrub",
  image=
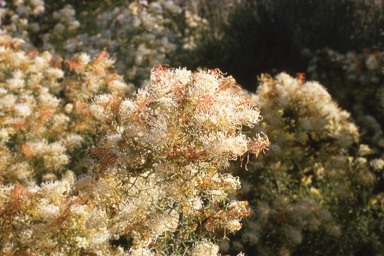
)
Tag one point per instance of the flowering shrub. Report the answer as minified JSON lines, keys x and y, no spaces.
{"x":29,"y":21}
{"x":356,"y":81}
{"x":153,"y":183}
{"x":137,"y":34}
{"x":312,"y":193}
{"x":39,"y":131}
{"x":140,"y":37}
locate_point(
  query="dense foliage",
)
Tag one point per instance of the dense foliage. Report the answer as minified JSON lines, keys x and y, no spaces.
{"x":153,"y":180}
{"x":312,"y":193}
{"x":137,"y":35}
{"x":92,"y":165}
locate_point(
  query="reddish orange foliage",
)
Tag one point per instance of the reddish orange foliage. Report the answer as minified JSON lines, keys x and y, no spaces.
{"x":105,"y":156}
{"x":80,"y":105}
{"x":205,"y":102}
{"x":57,"y":63}
{"x":32,"y":53}
{"x":27,"y":150}
{"x":300,"y":77}
{"x":75,"y":64}
{"x":100,"y":57}
{"x":19,"y":125}
{"x":45,"y":115}
{"x":14,"y":207}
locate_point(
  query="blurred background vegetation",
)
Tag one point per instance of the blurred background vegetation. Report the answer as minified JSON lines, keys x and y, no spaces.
{"x":247,"y":38}
{"x":258,"y":36}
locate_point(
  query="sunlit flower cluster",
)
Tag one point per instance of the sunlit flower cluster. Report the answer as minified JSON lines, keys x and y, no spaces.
{"x":32,"y":122}
{"x":154,"y":179}
{"x":314,"y":188}
{"x":38,"y":126}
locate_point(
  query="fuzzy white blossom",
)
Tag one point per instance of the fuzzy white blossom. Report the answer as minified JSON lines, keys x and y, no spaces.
{"x":205,"y":248}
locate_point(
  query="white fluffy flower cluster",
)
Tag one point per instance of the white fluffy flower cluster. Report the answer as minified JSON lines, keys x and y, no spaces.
{"x":38,"y":129}
{"x":31,"y":114}
{"x":174,"y":128}
{"x":298,"y":186}
{"x":313,"y":107}
{"x":149,"y":181}
{"x":178,"y":101}
{"x":205,"y":248}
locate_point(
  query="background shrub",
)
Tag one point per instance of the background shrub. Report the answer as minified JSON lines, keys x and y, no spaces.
{"x":313,"y":192}
{"x":268,"y":36}
{"x":138,"y":35}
